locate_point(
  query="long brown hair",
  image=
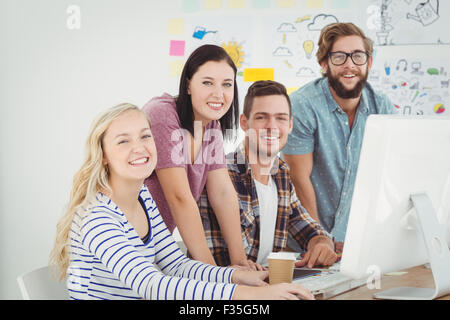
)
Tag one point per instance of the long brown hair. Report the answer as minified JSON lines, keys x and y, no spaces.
{"x":200,"y":56}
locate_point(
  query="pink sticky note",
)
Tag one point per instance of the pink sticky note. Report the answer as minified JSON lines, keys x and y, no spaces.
{"x":177,"y":48}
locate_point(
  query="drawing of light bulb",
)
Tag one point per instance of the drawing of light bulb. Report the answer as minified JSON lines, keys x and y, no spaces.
{"x":308,"y":46}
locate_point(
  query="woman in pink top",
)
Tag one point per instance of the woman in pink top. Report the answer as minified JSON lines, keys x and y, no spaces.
{"x":188,"y":133}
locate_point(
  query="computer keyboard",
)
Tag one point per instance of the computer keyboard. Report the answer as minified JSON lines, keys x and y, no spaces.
{"x":330,"y":283}
{"x":335,"y":267}
{"x":323,"y":281}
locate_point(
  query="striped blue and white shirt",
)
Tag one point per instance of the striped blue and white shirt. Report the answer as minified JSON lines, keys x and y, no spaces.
{"x":108,"y":260}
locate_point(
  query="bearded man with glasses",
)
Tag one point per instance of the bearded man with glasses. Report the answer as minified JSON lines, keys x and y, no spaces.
{"x":329,"y":117}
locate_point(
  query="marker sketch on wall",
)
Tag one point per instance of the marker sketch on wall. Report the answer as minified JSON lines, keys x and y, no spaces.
{"x":291,"y":43}
{"x":407,"y":22}
{"x":231,"y":33}
{"x":415,"y":86}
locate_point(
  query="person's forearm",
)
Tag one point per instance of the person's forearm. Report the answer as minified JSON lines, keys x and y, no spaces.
{"x":307,"y":196}
{"x":188,"y":221}
{"x":322,"y":239}
{"x":230,"y":225}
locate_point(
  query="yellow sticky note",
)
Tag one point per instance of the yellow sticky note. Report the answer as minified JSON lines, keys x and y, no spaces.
{"x":396,"y":274}
{"x":256,"y":74}
{"x":213,"y":4}
{"x":175,"y":26}
{"x":236,"y":4}
{"x":175,"y":68}
{"x":285,"y":3}
{"x":314,"y":4}
{"x":292,"y":89}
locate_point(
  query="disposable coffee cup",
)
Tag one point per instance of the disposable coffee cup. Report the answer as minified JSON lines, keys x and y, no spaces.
{"x":281,"y":267}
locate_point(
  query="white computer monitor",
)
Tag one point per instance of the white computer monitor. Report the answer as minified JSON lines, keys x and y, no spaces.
{"x":401,"y":156}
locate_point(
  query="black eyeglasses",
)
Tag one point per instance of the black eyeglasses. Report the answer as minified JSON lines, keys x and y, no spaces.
{"x":338,"y":58}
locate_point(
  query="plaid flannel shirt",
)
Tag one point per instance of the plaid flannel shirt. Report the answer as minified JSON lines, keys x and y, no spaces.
{"x":291,"y":218}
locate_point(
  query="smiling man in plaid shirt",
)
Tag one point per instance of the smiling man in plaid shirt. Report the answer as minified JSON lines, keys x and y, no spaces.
{"x":270,"y":210}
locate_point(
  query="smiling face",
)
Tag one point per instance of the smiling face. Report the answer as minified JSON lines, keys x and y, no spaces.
{"x":128,"y":147}
{"x":347,"y":80}
{"x":211,"y":89}
{"x":269,"y":123}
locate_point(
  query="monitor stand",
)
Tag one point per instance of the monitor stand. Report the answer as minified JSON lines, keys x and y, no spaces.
{"x":438,"y":253}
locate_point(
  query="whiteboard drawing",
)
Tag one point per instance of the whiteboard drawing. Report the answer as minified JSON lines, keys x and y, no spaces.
{"x":232,"y":34}
{"x":320,"y":21}
{"x":282,"y":52}
{"x":291,"y":44}
{"x":286,"y":27}
{"x":384,"y":26}
{"x":390,"y":22}
{"x":302,"y":19}
{"x":402,"y":64}
{"x":200,"y":32}
{"x":415,"y":86}
{"x":308,"y":46}
{"x":426,"y":13}
{"x":235,"y":52}
{"x":306,"y":72}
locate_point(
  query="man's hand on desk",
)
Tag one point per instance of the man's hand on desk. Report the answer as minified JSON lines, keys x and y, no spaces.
{"x":339,"y":247}
{"x":320,"y":253}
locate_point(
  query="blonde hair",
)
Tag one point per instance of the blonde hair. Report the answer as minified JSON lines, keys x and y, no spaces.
{"x":333,"y":31}
{"x":87,"y":181}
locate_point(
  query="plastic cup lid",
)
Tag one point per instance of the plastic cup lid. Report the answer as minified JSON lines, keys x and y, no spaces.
{"x":282,"y":255}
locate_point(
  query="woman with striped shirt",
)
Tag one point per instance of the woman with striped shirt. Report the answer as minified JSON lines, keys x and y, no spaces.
{"x":112,"y":242}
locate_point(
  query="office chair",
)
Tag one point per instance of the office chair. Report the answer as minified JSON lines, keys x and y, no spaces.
{"x":42,"y":284}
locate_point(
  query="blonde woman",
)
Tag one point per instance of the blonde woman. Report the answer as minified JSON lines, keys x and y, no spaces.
{"x":112,"y":242}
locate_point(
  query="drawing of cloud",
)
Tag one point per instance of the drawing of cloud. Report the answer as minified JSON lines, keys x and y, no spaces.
{"x":282,"y":52}
{"x":320,"y":21}
{"x":305,"y":72}
{"x":286,"y":27}
{"x":435,"y":97}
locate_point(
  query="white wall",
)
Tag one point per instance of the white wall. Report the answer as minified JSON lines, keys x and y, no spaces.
{"x":53,"y":81}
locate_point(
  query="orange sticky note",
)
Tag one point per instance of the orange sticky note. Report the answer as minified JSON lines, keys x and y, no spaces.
{"x":256,"y":74}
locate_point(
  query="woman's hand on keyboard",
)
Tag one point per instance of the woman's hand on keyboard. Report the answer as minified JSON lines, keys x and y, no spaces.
{"x":249,"y":278}
{"x":280,"y":291}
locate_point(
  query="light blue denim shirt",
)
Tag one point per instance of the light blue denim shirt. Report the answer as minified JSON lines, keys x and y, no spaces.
{"x":321,"y":127}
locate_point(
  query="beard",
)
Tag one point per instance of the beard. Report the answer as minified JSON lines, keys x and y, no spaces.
{"x":343,"y":92}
